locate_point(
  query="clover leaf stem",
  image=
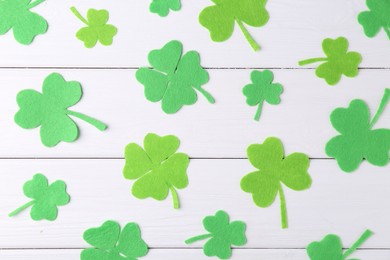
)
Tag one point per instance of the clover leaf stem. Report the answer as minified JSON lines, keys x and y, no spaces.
{"x":258,"y":112}
{"x":206,"y":94}
{"x":358,"y":243}
{"x":78,"y":15}
{"x":387,"y":30}
{"x":197,"y":238}
{"x":33,"y":4}
{"x":20,"y":209}
{"x":381,"y":108}
{"x":175,"y":198}
{"x":96,"y":123}
{"x":310,"y":61}
{"x":283,"y":208}
{"x":249,"y":38}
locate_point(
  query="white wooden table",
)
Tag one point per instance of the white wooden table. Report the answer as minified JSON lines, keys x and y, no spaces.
{"x":214,"y":136}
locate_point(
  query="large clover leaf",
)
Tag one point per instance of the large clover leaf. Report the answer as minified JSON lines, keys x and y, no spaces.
{"x":162,"y":7}
{"x":378,"y":17}
{"x":174,"y":78}
{"x":273,"y":170}
{"x":157,"y":168}
{"x":358,"y":140}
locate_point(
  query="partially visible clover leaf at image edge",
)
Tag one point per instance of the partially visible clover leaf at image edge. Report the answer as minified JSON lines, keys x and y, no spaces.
{"x":377,"y":18}
{"x":162,"y":7}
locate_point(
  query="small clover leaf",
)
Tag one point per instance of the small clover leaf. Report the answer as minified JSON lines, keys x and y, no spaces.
{"x":338,"y":61}
{"x":331,"y":248}
{"x":162,"y":7}
{"x":157,"y":168}
{"x":262,"y":89}
{"x":220,"y":18}
{"x":273,"y":170}
{"x":223,"y":235}
{"x":49,"y":110}
{"x":111,"y":243}
{"x":358,"y":140}
{"x":174,"y":78}
{"x":97,"y":28}
{"x":378,"y":17}
{"x":16,"y":15}
{"x":45,"y":198}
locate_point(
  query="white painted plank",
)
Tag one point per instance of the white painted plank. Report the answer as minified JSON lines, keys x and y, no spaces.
{"x":224,"y":129}
{"x":294,"y":32}
{"x":341,"y":203}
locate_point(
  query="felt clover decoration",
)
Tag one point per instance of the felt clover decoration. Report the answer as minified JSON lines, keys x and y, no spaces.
{"x":222,"y":235}
{"x":358,"y":140}
{"x":331,"y":248}
{"x":45,"y":198}
{"x":110,"y":243}
{"x":16,"y":15}
{"x":274,"y":170}
{"x":97,"y":28}
{"x":174,"y":78}
{"x":49,"y":110}
{"x":157,"y":168}
{"x":377,"y":18}
{"x":262,"y":89}
{"x":338,"y":61}
{"x":220,"y":18}
{"x":162,"y":7}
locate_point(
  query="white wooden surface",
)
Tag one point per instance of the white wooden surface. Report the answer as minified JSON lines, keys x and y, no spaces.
{"x":341,"y":203}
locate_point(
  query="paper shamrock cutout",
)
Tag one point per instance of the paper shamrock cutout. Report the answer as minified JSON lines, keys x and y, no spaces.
{"x":377,"y":18}
{"x":262,"y":89}
{"x":97,"y":28}
{"x":338,"y":61}
{"x":162,"y":7}
{"x":45,"y":198}
{"x":358,"y":140}
{"x":331,"y":248}
{"x":274,"y":170}
{"x":16,"y":15}
{"x":220,"y":18}
{"x":110,"y":243}
{"x":157,"y":168}
{"x":49,"y":110}
{"x":174,"y":78}
{"x":222,"y":235}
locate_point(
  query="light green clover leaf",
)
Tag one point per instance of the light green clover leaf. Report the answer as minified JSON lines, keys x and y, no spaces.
{"x":97,"y":28}
{"x":45,"y":198}
{"x":49,"y":110}
{"x":162,"y":7}
{"x":174,"y":78}
{"x":378,"y":17}
{"x":273,"y":170}
{"x":338,"y":61}
{"x":110,"y":243}
{"x":220,"y":18}
{"x":358,"y":140}
{"x":157,"y":168}
{"x":16,"y":15}
{"x":223,"y":235}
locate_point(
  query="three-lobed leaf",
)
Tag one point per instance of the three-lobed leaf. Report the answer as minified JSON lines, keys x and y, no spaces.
{"x":376,"y":18}
{"x":162,"y":7}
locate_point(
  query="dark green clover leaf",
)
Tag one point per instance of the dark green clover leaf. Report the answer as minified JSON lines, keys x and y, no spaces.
{"x":16,"y":15}
{"x":262,"y":89}
{"x":338,"y":61}
{"x":273,"y":170}
{"x":157,"y":168}
{"x":162,"y":7}
{"x":223,"y":235}
{"x":174,"y":78}
{"x":358,"y":140}
{"x":97,"y":28}
{"x":110,"y":243}
{"x":331,"y":248}
{"x":45,"y":198}
{"x":378,"y":17}
{"x":49,"y":110}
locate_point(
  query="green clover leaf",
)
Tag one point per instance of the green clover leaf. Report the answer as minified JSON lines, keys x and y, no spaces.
{"x":220,"y":18}
{"x":331,"y":248}
{"x":338,"y":62}
{"x":16,"y":15}
{"x":378,"y":17}
{"x":45,"y":198}
{"x":262,"y":90}
{"x":358,"y":140}
{"x":273,"y":170}
{"x":111,"y":244}
{"x":157,"y":168}
{"x":223,"y":235}
{"x":49,"y":110}
{"x":162,"y":7}
{"x":174,"y":78}
{"x":97,"y":28}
